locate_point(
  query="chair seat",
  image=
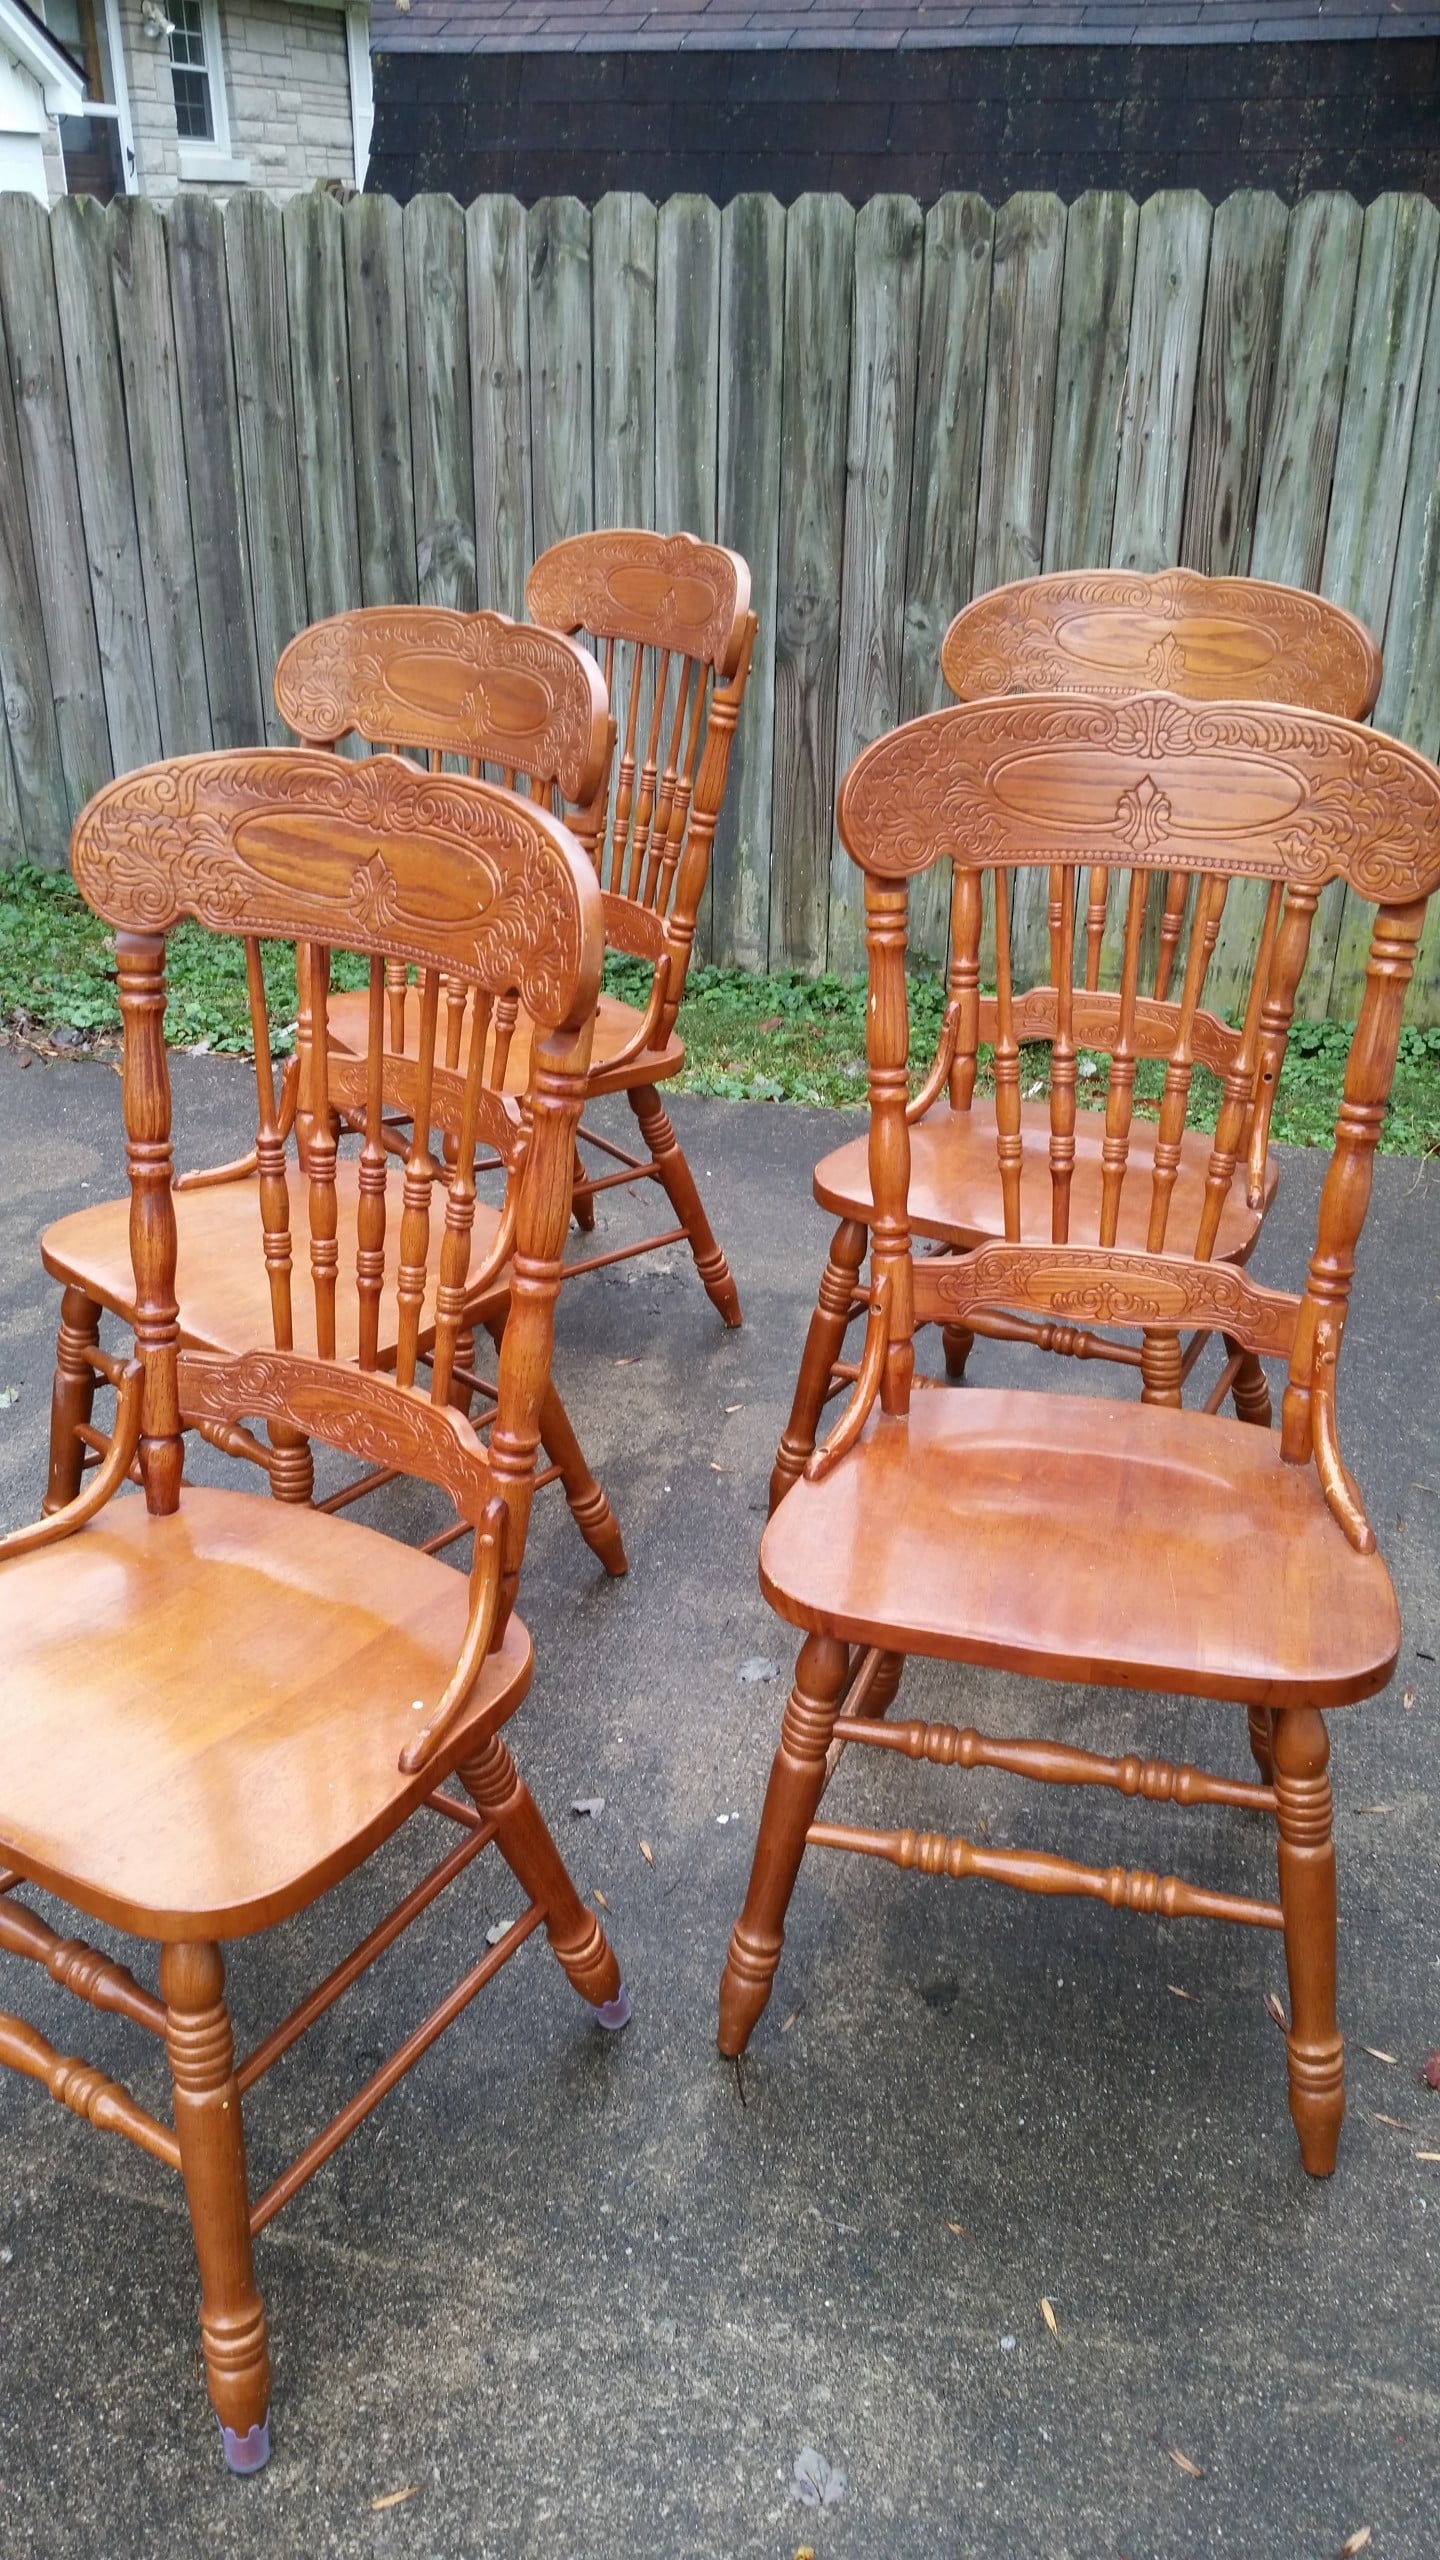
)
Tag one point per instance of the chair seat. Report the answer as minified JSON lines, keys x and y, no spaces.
{"x":221,"y":1284}
{"x":201,"y":1716}
{"x":615,"y":1025}
{"x":955,"y":1182}
{"x":1077,"y":1538}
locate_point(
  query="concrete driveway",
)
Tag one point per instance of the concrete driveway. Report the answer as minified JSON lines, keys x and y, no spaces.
{"x":587,"y":2298}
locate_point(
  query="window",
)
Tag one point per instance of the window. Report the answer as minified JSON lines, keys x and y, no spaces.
{"x":96,"y":146}
{"x":192,"y":74}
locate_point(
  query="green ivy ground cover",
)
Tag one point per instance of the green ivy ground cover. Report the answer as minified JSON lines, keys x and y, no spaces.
{"x":772,"y":1039}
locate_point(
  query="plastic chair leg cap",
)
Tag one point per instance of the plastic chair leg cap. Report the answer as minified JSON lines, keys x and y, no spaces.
{"x":250,"y":2452}
{"x":616,"y":2013}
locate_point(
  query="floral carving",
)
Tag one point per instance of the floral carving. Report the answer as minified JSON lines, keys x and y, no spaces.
{"x":1066,"y":633}
{"x":1254,"y":789}
{"x":366,"y":1415}
{"x":665,"y":589}
{"x":428,"y":868}
{"x":467,"y":684}
{"x":1089,"y":1285}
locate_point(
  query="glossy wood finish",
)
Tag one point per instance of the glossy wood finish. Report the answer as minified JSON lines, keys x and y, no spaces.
{"x":1118,"y":631}
{"x":671,"y":617}
{"x":212,"y":1708}
{"x":1135,"y":1545}
{"x":1101,"y":632}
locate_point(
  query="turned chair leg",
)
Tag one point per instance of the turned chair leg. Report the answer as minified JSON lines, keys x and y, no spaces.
{"x":958,"y":1342}
{"x":883,"y":1689}
{"x":684,"y":1198}
{"x":524,"y":1842}
{"x":212,"y":2163}
{"x":1315,"y":2051}
{"x":822,"y":1350}
{"x":1250,"y":1393}
{"x":1262,"y":1742}
{"x":1160,"y":1368}
{"x":583,"y":1207}
{"x":72,"y":1397}
{"x":797,"y":1780}
{"x":589,"y":1508}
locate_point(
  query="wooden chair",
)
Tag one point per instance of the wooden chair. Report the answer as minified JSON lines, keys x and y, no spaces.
{"x":226,"y":1296}
{"x":672,"y":618}
{"x":212,"y":1710}
{"x":1075,"y":1538}
{"x":1103,"y":632}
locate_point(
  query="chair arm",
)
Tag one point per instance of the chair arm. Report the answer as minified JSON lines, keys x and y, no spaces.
{"x":207,"y":1176}
{"x":1337,"y":1483}
{"x":644,"y":1038}
{"x":944,"y":1061}
{"x":484,"y":1601}
{"x":867,"y":1387}
{"x":111,"y":1473}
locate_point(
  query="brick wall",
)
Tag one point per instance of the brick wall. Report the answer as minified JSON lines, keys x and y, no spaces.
{"x":1360,"y":115}
{"x":287,"y":86}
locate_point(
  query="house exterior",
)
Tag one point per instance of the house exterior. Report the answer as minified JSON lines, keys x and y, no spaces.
{"x":143,"y":97}
{"x":868,"y":97}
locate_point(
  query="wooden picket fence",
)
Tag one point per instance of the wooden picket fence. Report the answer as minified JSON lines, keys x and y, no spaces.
{"x":218,"y":425}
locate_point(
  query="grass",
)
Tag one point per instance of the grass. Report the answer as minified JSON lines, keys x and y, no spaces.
{"x":774,"y":1039}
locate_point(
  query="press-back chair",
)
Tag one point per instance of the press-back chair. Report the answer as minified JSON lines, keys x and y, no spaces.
{"x":1074,"y":1538}
{"x":227,"y":1293}
{"x":671,"y":617}
{"x":212,"y":1710}
{"x":1101,"y":632}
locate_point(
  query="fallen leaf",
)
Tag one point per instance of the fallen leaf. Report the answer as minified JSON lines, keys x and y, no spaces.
{"x":734,"y":1408}
{"x":771,"y":1022}
{"x":1183,"y":2463}
{"x":9,"y":1395}
{"x":600,"y":1898}
{"x":593,"y":1805}
{"x":805,"y":2552}
{"x":959,"y":2230}
{"x":1372,"y":1808}
{"x":1357,"y":2541}
{"x":627,"y":1360}
{"x":1277,"y":2012}
{"x":1393,"y":2121}
{"x":757,"y":1668}
{"x":1408,"y":1701}
{"x":1376,"y":2055}
{"x":816,"y":2482}
{"x":501,"y":1930}
{"x":788,"y":2023}
{"x":647,"y":1853}
{"x":1427,"y":2155}
{"x":1430,"y":2071}
{"x":1179,"y":1994}
{"x":717,"y":1470}
{"x":1047,"y":2313}
{"x":394,"y":2498}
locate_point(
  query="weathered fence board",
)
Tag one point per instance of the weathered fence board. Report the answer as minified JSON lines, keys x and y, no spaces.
{"x":752,"y":311}
{"x":495,"y":274}
{"x":562,"y":453}
{"x":213,"y":465}
{"x":380,"y":399}
{"x":889,"y":238}
{"x":260,"y":321}
{"x":1372,"y":453}
{"x":42,"y":409}
{"x":42,"y":809}
{"x":286,"y":413}
{"x":1237,"y":355}
{"x":438,"y":332}
{"x":81,"y":244}
{"x":140,"y":274}
{"x":320,"y":369}
{"x":1171,"y":252}
{"x":819,"y":282}
{"x":1095,"y":300}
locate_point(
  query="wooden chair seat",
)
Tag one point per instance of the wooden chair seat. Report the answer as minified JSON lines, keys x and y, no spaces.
{"x":238,"y":1655}
{"x":1039,"y":1534}
{"x":955,"y":1181}
{"x":220,"y":1271}
{"x":616,"y":1025}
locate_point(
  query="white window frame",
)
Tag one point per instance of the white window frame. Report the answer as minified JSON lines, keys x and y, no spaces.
{"x":210,"y":161}
{"x":128,"y":170}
